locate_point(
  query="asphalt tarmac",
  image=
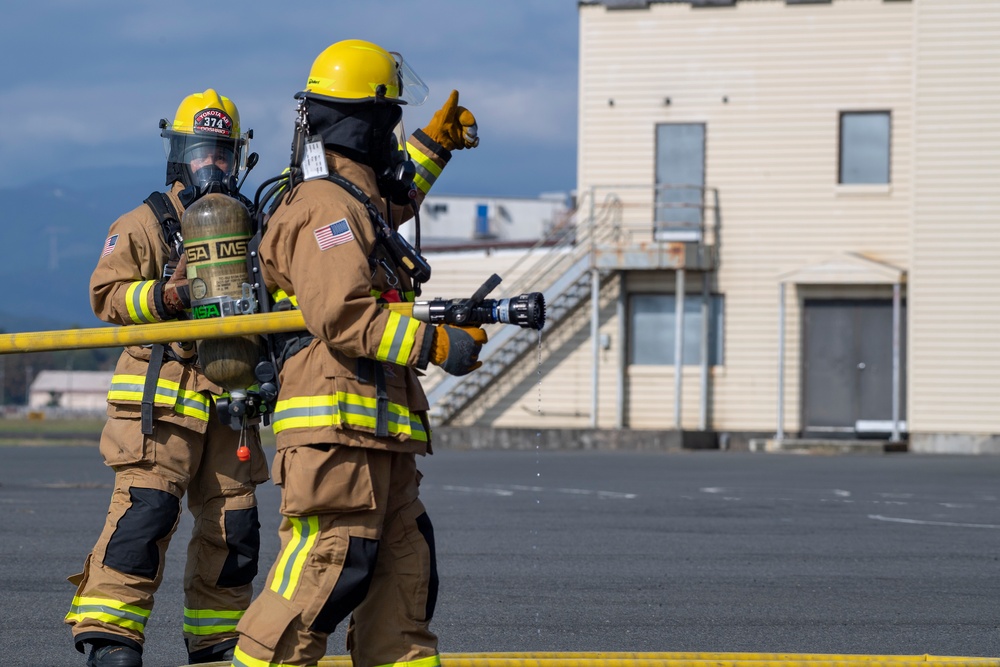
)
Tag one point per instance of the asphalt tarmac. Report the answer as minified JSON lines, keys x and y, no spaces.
{"x":603,"y":551}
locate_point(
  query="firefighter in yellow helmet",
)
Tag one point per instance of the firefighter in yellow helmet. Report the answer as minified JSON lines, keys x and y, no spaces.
{"x":351,"y":415}
{"x":163,"y":437}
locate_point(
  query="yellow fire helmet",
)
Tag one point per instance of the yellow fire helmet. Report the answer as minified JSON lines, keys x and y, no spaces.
{"x":354,"y":70}
{"x":205,"y":125}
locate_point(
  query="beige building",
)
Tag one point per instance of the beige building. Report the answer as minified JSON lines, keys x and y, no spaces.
{"x":83,"y":391}
{"x":798,"y":199}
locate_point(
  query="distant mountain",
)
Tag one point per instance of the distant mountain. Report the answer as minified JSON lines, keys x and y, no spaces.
{"x":52,"y":233}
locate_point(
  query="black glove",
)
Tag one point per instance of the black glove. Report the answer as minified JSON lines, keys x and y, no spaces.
{"x":176,"y":292}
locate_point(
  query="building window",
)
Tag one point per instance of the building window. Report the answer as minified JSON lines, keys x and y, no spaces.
{"x":652,"y":325}
{"x":864,"y":147}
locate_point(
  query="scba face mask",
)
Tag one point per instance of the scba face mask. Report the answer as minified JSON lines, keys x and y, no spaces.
{"x":208,"y":180}
{"x":211,"y":168}
{"x":395,"y":170}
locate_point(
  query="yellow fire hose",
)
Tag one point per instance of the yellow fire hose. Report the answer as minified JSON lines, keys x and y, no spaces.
{"x":158,"y":332}
{"x":162,"y":332}
{"x":598,"y":659}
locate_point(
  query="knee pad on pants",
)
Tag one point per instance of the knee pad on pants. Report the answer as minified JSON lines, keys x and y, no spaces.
{"x":133,"y":547}
{"x":427,"y":530}
{"x":352,"y":584}
{"x":243,"y":542}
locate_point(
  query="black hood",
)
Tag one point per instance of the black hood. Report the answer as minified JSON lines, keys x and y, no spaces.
{"x":359,"y":131}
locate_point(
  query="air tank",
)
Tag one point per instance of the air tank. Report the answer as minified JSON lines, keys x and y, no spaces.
{"x":216,"y":231}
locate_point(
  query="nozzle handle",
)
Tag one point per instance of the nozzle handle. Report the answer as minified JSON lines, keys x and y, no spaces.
{"x":485,"y":289}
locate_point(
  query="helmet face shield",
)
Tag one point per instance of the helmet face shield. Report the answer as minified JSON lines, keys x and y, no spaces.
{"x":215,"y":153}
{"x":412,"y":89}
{"x":198,"y":151}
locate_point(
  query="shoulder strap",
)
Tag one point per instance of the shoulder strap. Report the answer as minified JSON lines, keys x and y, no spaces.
{"x":165,"y":214}
{"x":378,"y":222}
{"x":401,"y":253}
{"x":351,"y":188}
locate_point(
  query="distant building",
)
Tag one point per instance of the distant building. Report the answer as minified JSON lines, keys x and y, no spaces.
{"x":70,"y":390}
{"x":463,"y":220}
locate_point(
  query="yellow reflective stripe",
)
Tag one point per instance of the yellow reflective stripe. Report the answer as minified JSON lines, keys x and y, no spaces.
{"x":432,"y":661}
{"x":352,"y":410}
{"x":305,"y":412}
{"x":398,"y":339}
{"x":108,"y":611}
{"x":168,"y":393}
{"x":288,"y":571}
{"x":192,"y":404}
{"x":241,"y":659}
{"x":280,"y":294}
{"x":427,"y":170}
{"x":130,"y":387}
{"x":137,"y":301}
{"x":210,"y":621}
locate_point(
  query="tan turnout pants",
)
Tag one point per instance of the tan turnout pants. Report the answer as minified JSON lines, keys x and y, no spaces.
{"x":121,"y":574}
{"x":355,"y":540}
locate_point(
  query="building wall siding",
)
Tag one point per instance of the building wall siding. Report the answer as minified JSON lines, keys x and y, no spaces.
{"x":769,"y":81}
{"x":955,"y":311}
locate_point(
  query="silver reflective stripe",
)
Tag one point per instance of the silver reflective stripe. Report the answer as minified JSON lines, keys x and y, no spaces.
{"x":398,"y":338}
{"x":93,"y":609}
{"x":423,"y":173}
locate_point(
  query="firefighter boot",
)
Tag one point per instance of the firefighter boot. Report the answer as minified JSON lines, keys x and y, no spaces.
{"x":113,"y":655}
{"x":222,"y":652}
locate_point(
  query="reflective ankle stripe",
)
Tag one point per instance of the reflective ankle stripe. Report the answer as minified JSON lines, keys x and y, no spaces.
{"x":112,"y":612}
{"x":432,"y":661}
{"x":241,"y":659}
{"x":210,"y":621}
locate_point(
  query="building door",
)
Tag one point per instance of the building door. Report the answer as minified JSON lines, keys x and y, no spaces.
{"x":847,"y":367}
{"x":680,"y":181}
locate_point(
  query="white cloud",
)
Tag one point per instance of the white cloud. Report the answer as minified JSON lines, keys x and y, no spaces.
{"x":112,"y":68}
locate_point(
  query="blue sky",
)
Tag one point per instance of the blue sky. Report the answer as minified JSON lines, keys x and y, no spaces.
{"x":84,"y":82}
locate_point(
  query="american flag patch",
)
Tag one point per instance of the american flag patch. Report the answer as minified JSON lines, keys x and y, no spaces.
{"x":333,"y":235}
{"x":109,"y":245}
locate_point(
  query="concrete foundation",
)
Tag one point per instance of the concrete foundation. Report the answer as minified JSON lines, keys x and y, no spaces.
{"x":955,"y":443}
{"x":481,"y":437}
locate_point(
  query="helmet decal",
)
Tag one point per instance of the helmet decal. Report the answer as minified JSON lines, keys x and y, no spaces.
{"x":213,"y":121}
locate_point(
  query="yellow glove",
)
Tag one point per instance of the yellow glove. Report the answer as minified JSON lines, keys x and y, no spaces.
{"x":456,"y":349}
{"x":453,"y":127}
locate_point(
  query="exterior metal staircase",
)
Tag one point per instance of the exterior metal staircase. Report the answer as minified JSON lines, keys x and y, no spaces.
{"x":613,"y":228}
{"x":562,"y":273}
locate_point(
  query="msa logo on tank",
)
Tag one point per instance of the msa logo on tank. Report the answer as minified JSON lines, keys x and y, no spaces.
{"x":206,"y":310}
{"x":217,"y":250}
{"x":213,"y":121}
